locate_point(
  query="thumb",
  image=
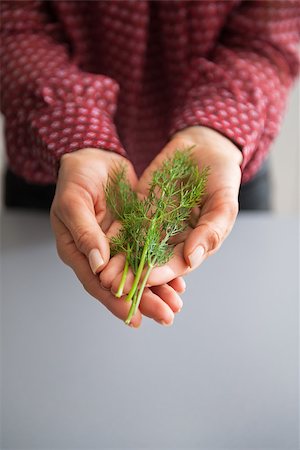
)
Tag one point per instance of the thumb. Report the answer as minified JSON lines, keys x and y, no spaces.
{"x":87,"y":234}
{"x":210,"y":232}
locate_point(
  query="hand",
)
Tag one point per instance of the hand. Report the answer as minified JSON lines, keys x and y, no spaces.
{"x":82,"y":225}
{"x":215,"y":219}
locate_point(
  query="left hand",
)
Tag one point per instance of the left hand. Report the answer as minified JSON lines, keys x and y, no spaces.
{"x":219,"y":208}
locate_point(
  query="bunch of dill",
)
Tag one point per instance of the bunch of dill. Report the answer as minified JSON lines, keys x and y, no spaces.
{"x":148,"y":224}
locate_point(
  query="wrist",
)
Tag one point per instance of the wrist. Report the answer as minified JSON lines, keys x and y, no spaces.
{"x":208,"y":139}
{"x":83,"y":152}
{"x":91,"y":153}
{"x":91,"y":164}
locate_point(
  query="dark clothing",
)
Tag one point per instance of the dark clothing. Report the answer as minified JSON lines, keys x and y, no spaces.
{"x":254,"y":195}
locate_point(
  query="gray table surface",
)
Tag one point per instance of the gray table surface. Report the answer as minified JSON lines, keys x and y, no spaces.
{"x":224,"y":376}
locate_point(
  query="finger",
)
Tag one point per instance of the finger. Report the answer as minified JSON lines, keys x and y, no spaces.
{"x":112,"y":274}
{"x":178,"y":284}
{"x":169,"y":296}
{"x":77,"y":261}
{"x":112,"y":270}
{"x":79,"y":217}
{"x":176,"y":267}
{"x":114,"y":229}
{"x":106,"y":222}
{"x":117,"y":307}
{"x":180,"y":237}
{"x":194,"y":217}
{"x":128,"y":282}
{"x":154,"y":307}
{"x":213,"y":227}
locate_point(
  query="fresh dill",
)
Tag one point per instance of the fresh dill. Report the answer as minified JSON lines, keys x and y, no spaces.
{"x":148,"y":224}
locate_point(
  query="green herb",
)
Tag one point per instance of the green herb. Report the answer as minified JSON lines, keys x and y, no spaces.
{"x":148,"y":224}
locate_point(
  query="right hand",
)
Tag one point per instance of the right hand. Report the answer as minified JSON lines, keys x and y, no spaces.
{"x":82,"y":224}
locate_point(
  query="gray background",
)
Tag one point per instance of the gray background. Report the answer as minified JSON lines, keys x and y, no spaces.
{"x":224,"y":376}
{"x":284,"y":159}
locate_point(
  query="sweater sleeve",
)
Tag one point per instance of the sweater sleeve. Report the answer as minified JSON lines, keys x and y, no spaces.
{"x":51,"y":106}
{"x":241,"y":88}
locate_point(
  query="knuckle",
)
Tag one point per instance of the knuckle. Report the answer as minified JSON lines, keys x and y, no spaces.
{"x":82,"y":239}
{"x":230,"y":212}
{"x":115,"y":283}
{"x":214,"y":239}
{"x":105,"y":280}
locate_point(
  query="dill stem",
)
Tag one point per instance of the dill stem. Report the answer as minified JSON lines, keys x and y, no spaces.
{"x":123,"y":279}
{"x":137,"y":298}
{"x":138,"y":273}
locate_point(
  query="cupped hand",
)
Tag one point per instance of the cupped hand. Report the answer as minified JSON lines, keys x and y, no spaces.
{"x":80,"y":221}
{"x":213,"y":221}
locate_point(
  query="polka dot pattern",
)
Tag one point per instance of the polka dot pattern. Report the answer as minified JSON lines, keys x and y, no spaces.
{"x":128,"y":75}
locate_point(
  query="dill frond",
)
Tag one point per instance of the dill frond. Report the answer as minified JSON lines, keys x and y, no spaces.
{"x":147,"y":225}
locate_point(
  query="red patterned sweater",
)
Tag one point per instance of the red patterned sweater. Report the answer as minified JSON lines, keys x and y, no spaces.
{"x":126,"y":75}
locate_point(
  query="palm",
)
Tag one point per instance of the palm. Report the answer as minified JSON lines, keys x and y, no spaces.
{"x":82,"y":222}
{"x":210,"y":224}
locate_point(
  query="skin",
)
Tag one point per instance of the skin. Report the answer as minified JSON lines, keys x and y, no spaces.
{"x":81,"y":221}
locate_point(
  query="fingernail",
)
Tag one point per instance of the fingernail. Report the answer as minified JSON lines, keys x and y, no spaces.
{"x":180,"y":306}
{"x":95,"y":260}
{"x":196,"y":256}
{"x":165,"y":324}
{"x":133,"y":326}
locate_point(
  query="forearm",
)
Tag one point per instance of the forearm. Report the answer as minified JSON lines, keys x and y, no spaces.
{"x":51,"y":106}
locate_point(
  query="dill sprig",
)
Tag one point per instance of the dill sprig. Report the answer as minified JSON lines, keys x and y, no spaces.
{"x":148,"y":224}
{"x":119,"y":195}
